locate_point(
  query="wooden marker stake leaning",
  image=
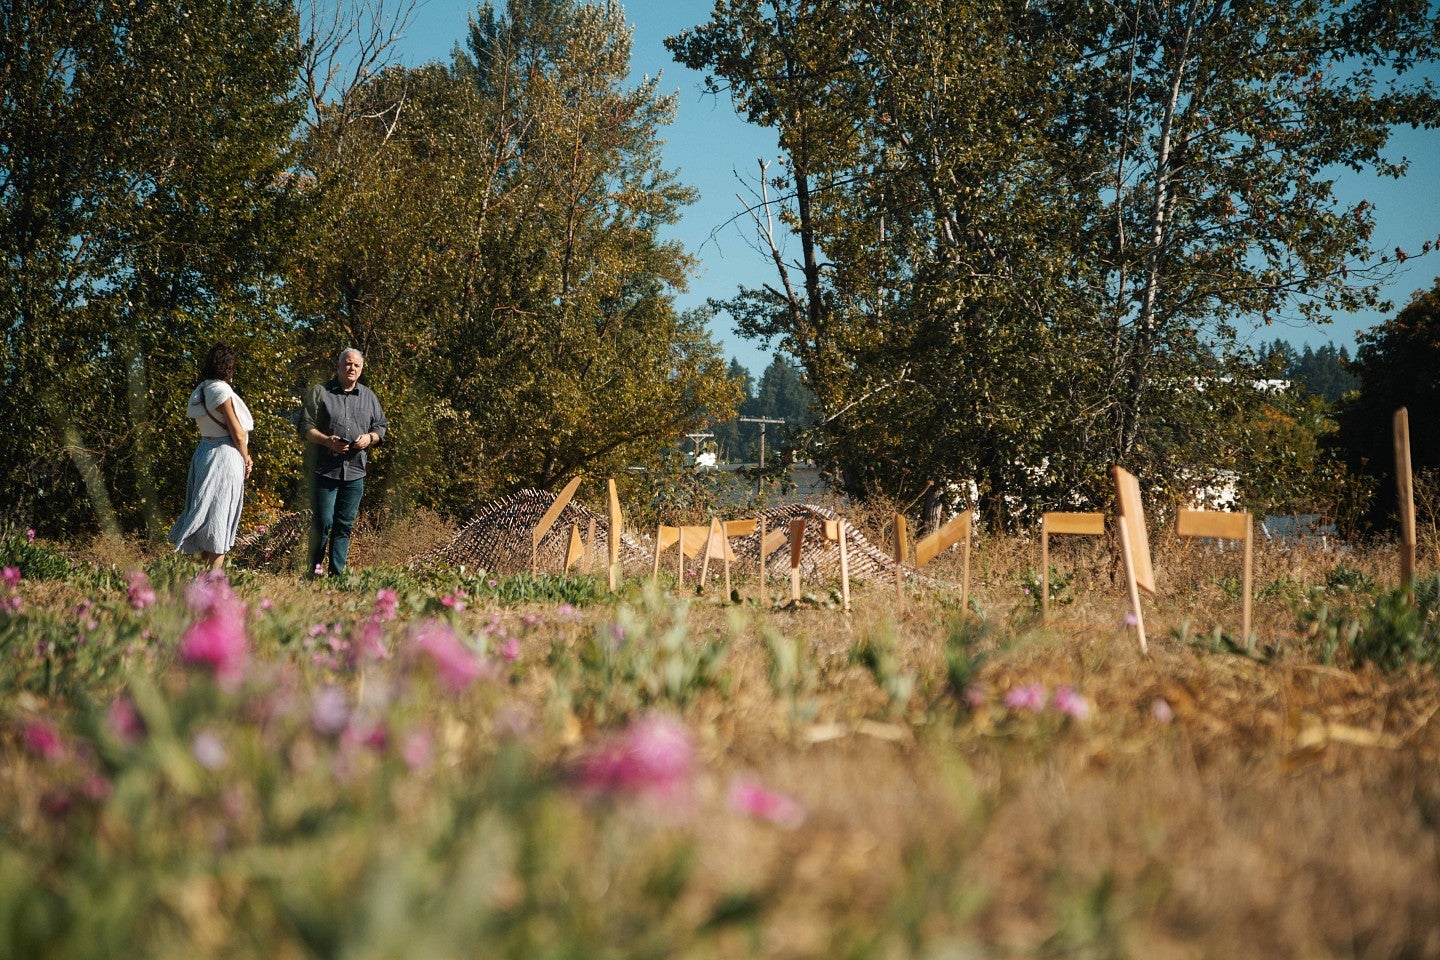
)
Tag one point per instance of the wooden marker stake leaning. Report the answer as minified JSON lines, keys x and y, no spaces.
{"x":760,"y":549}
{"x":844,"y":564}
{"x":1405,"y":491}
{"x":1134,"y":544}
{"x":616,"y":532}
{"x":933,"y":544}
{"x":576,"y":549}
{"x":548,"y":521}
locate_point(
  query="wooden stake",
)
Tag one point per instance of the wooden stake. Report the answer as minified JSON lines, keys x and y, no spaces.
{"x":1405,"y":491}
{"x":902,"y":550}
{"x":1133,"y":587}
{"x":797,"y":542}
{"x":760,"y":580}
{"x":1245,"y":601}
{"x":590,"y":548}
{"x":844,"y":569}
{"x":616,"y":532}
{"x":548,"y":521}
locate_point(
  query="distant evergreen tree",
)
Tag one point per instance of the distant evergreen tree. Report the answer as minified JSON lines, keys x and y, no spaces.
{"x":1324,"y":372}
{"x":781,"y":394}
{"x":730,"y":439}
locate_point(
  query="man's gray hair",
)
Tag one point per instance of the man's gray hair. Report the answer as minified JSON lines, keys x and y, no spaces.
{"x":355,"y":350}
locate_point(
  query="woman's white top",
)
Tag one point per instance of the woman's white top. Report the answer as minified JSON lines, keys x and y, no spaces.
{"x":210,"y":395}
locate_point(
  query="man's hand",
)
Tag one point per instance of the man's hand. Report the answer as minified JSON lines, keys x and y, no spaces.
{"x":336,"y":444}
{"x":361,"y":442}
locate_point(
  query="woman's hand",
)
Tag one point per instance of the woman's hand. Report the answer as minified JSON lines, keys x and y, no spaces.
{"x":249,"y":465}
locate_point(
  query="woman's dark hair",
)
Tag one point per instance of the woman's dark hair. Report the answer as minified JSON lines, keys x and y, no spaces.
{"x":219,"y":363}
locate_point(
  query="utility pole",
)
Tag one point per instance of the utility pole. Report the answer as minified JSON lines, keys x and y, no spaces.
{"x":760,"y":478}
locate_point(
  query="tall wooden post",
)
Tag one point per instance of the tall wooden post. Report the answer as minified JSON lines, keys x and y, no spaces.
{"x":1405,"y":489}
{"x":902,"y":550}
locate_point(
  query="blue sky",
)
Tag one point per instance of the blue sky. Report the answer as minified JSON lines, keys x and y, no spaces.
{"x":712,"y":149}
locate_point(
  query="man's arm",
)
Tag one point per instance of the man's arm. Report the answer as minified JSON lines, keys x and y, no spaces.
{"x":378,"y":425}
{"x":309,"y":429}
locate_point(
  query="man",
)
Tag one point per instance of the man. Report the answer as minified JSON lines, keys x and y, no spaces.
{"x":343,"y":418}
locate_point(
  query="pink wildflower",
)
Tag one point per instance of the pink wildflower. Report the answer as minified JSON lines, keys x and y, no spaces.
{"x":753,"y":799}
{"x":456,"y":665}
{"x":417,"y":749}
{"x":97,"y":788}
{"x":1161,"y":710}
{"x":510,"y":650}
{"x":124,"y":721}
{"x":266,"y":604}
{"x":1072,"y":704}
{"x":209,"y":750}
{"x":217,"y":637}
{"x":30,"y":535}
{"x":329,"y":711}
{"x":1030,"y":697}
{"x":653,"y":756}
{"x":975,"y":695}
{"x":368,"y":643}
{"x":209,"y":591}
{"x":140,"y":594}
{"x":11,"y":576}
{"x":1130,"y":620}
{"x":42,"y":740}
{"x":385,"y":604}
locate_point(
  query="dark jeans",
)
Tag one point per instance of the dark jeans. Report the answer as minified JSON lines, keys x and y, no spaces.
{"x":333,"y":507}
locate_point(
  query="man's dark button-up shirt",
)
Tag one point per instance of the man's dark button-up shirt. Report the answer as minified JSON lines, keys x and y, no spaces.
{"x":342,"y":413}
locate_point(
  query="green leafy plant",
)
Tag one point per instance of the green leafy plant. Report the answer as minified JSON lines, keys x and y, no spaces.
{"x":644,"y":657}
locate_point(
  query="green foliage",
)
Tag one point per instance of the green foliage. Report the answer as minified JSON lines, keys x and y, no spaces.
{"x":1401,"y":628}
{"x":1395,"y":365}
{"x":36,"y":560}
{"x":144,"y":151}
{"x":489,"y":232}
{"x":963,"y":654}
{"x":877,"y":654}
{"x":645,"y":657}
{"x":1044,"y":226}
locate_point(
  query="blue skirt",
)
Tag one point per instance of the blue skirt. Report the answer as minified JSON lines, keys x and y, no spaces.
{"x":214,"y":494}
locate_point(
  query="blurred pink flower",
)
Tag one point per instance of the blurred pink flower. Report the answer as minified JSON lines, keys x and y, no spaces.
{"x":217,"y":637}
{"x":30,"y":535}
{"x":43,"y":741}
{"x":267,"y":604}
{"x":209,"y":750}
{"x":753,"y":799}
{"x":975,"y":695}
{"x":11,"y":576}
{"x":1160,"y":709}
{"x":1030,"y":696}
{"x":653,"y":756}
{"x":140,"y":593}
{"x":368,"y":643}
{"x":456,"y":665}
{"x":14,"y":604}
{"x":510,"y":650}
{"x":385,"y":603}
{"x":97,"y":788}
{"x":1130,"y":620}
{"x":319,"y":569}
{"x":124,"y":721}
{"x":329,"y":711}
{"x":416,"y":749}
{"x":56,"y":803}
{"x":208,"y":592}
{"x":1072,"y":704}
{"x":455,"y":602}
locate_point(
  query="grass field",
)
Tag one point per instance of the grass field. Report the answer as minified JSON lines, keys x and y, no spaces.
{"x":430,"y":764}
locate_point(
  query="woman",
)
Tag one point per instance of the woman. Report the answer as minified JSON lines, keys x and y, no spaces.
{"x":215,"y":488}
